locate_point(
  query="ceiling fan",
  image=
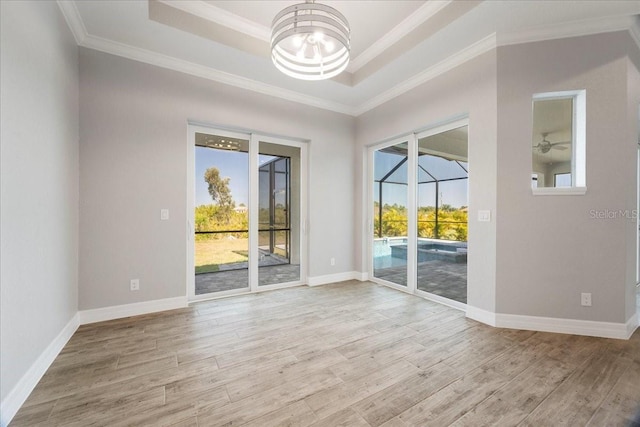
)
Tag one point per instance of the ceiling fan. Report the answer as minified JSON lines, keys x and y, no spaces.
{"x":545,"y":146}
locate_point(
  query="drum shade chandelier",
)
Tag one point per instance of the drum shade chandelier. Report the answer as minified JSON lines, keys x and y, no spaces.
{"x":310,"y":41}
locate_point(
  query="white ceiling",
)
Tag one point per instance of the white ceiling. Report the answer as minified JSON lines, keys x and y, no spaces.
{"x":396,"y":45}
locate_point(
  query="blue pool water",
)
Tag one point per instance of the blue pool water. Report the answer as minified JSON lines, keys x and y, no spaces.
{"x":383,"y":252}
{"x":382,"y":257}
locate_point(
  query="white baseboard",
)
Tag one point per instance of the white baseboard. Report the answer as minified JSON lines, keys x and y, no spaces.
{"x":632,"y":324}
{"x":480,"y":315}
{"x":550,"y":324}
{"x":332,"y":278}
{"x":566,"y":326}
{"x":126,"y":310}
{"x":16,"y":397}
{"x":361,"y":276}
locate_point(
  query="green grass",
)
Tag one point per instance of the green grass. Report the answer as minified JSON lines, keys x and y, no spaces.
{"x":209,"y":268}
{"x":210,"y":254}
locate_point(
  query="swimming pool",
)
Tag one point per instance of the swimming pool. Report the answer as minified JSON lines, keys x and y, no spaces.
{"x":392,"y":252}
{"x":383,"y":253}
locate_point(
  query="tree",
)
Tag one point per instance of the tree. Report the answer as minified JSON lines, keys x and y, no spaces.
{"x":220,"y":193}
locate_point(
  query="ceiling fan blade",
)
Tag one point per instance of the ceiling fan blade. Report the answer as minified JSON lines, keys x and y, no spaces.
{"x":558,"y":147}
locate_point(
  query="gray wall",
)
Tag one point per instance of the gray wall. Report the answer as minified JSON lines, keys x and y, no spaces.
{"x":133,"y":156}
{"x":469,"y":89}
{"x":550,"y":249}
{"x":39,"y":193}
{"x":631,"y":190}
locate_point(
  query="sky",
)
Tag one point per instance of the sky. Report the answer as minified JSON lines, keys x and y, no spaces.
{"x":235,"y":165}
{"x":231,"y":164}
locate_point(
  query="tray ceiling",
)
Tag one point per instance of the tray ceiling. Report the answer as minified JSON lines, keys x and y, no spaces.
{"x":396,"y":45}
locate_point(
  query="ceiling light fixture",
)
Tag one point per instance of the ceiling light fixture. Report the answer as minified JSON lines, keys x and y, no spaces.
{"x":310,"y":41}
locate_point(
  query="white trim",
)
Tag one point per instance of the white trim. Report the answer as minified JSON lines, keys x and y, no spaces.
{"x":638,"y":216}
{"x":392,"y":285}
{"x":453,"y":61}
{"x":482,"y":316}
{"x":254,"y":139}
{"x":397,"y":33}
{"x":441,"y":300}
{"x":254,"y":210}
{"x":574,"y":29}
{"x":276,"y":286}
{"x":74,"y":20}
{"x":568,"y":29}
{"x":219,"y":294}
{"x":361,"y":276}
{"x":19,"y":394}
{"x":171,"y":63}
{"x":444,"y":126}
{"x":559,"y":191}
{"x":412,"y":214}
{"x":632,"y":324}
{"x":127,"y":310}
{"x":332,"y":278}
{"x":251,"y":28}
{"x":568,"y":326}
{"x":192,"y":129}
{"x":222,"y":17}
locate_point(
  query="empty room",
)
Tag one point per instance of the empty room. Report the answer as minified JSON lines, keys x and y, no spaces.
{"x":320,"y":213}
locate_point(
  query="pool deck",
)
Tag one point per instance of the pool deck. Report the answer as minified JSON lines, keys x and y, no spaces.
{"x":442,"y":278}
{"x":239,"y":278}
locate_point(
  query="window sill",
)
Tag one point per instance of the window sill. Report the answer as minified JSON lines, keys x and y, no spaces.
{"x":564,"y":191}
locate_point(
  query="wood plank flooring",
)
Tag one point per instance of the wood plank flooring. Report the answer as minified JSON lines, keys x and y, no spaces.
{"x":348,"y":354}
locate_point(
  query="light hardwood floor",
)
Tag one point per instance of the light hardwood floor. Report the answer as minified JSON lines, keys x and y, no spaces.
{"x":348,"y":354}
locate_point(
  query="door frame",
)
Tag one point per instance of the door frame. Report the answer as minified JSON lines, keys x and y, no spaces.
{"x":412,"y":213}
{"x":254,"y":139}
{"x":637,"y":207}
{"x":410,"y":139}
{"x":424,"y":134}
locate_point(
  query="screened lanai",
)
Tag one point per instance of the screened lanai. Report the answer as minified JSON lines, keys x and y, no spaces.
{"x":441,"y":214}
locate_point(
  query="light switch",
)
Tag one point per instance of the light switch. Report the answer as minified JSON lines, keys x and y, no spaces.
{"x":484,"y":216}
{"x":164,"y":214}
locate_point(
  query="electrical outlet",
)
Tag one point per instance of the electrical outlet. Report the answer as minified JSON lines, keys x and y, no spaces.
{"x":585,"y":299}
{"x":135,"y":284}
{"x":332,"y":261}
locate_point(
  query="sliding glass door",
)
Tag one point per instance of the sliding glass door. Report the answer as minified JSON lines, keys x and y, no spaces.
{"x":418,"y":217}
{"x":279,"y":214}
{"x":246,"y":211}
{"x":389,"y":211}
{"x":221,"y":217}
{"x":441,"y":215}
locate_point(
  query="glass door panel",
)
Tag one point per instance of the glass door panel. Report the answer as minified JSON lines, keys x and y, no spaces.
{"x":442,"y":214}
{"x":278,"y":214}
{"x":390,"y":224}
{"x":221,"y":217}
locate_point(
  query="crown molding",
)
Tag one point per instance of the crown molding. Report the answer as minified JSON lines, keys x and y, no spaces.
{"x":455,"y":60}
{"x":222,"y":17}
{"x":165,"y":61}
{"x":574,"y":29}
{"x":74,"y":20}
{"x":420,"y":16}
{"x":568,"y":29}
